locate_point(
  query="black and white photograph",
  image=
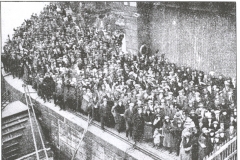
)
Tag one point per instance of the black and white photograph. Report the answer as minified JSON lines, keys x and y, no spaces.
{"x":115,"y":80}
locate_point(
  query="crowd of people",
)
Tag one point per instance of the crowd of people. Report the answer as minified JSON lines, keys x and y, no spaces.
{"x":83,"y":69}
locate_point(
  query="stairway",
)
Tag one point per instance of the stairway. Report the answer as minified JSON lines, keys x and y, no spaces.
{"x":12,"y":131}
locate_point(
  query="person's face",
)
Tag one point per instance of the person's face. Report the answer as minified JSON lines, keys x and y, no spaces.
{"x":104,"y":101}
{"x":221,"y":135}
{"x":222,"y":125}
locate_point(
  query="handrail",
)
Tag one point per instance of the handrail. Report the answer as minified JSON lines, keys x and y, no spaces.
{"x":31,"y":104}
{"x":5,"y":97}
{"x":4,"y":94}
{"x":84,"y":132}
{"x":222,"y":148}
{"x":30,"y":154}
{"x":30,"y":119}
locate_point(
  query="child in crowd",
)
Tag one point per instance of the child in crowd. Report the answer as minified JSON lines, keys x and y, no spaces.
{"x":157,"y":138}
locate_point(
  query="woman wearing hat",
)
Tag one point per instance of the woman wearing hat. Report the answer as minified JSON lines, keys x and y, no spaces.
{"x":148,"y":126}
{"x":168,"y":134}
{"x":186,"y":147}
{"x":204,"y":144}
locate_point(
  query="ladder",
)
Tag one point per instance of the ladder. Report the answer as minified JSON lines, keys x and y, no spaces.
{"x":81,"y":139}
{"x":30,"y":106}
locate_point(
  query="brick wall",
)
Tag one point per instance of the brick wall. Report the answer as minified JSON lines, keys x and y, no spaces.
{"x":64,"y":131}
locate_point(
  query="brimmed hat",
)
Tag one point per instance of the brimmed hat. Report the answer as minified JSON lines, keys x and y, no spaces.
{"x":186,"y":134}
{"x":166,"y":117}
{"x":192,"y":112}
{"x":215,"y":122}
{"x":204,"y":130}
{"x":177,"y":115}
{"x":131,"y":104}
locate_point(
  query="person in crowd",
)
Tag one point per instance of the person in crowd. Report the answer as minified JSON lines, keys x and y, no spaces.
{"x":168,"y":134}
{"x":230,"y":132}
{"x":157,"y":138}
{"x":117,"y":117}
{"x":138,"y":125}
{"x":79,"y":63}
{"x":178,"y":128}
{"x":128,"y":115}
{"x":104,"y":112}
{"x":186,"y":147}
{"x":148,"y":126}
{"x":204,"y":144}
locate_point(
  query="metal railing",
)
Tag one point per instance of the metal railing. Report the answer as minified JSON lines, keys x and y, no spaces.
{"x":226,"y":151}
{"x":30,"y":106}
{"x":6,"y":99}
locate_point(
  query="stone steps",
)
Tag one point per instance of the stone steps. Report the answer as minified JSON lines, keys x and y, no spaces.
{"x":11,"y":151}
{"x":15,"y":119}
{"x":13,"y":130}
{"x":10,"y":138}
{"x":11,"y":156}
{"x":11,"y":145}
{"x":17,"y":122}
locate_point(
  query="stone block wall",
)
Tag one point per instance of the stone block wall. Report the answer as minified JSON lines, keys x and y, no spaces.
{"x":196,"y":36}
{"x":64,"y":132}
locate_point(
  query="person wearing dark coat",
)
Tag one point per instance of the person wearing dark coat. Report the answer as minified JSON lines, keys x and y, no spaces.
{"x":204,"y":144}
{"x":128,"y":115}
{"x":138,"y":126}
{"x":148,"y":127}
{"x":46,"y":87}
{"x":195,"y":144}
{"x":178,"y":128}
{"x":104,"y":112}
{"x":157,"y":121}
{"x":117,"y":118}
{"x":215,"y":126}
